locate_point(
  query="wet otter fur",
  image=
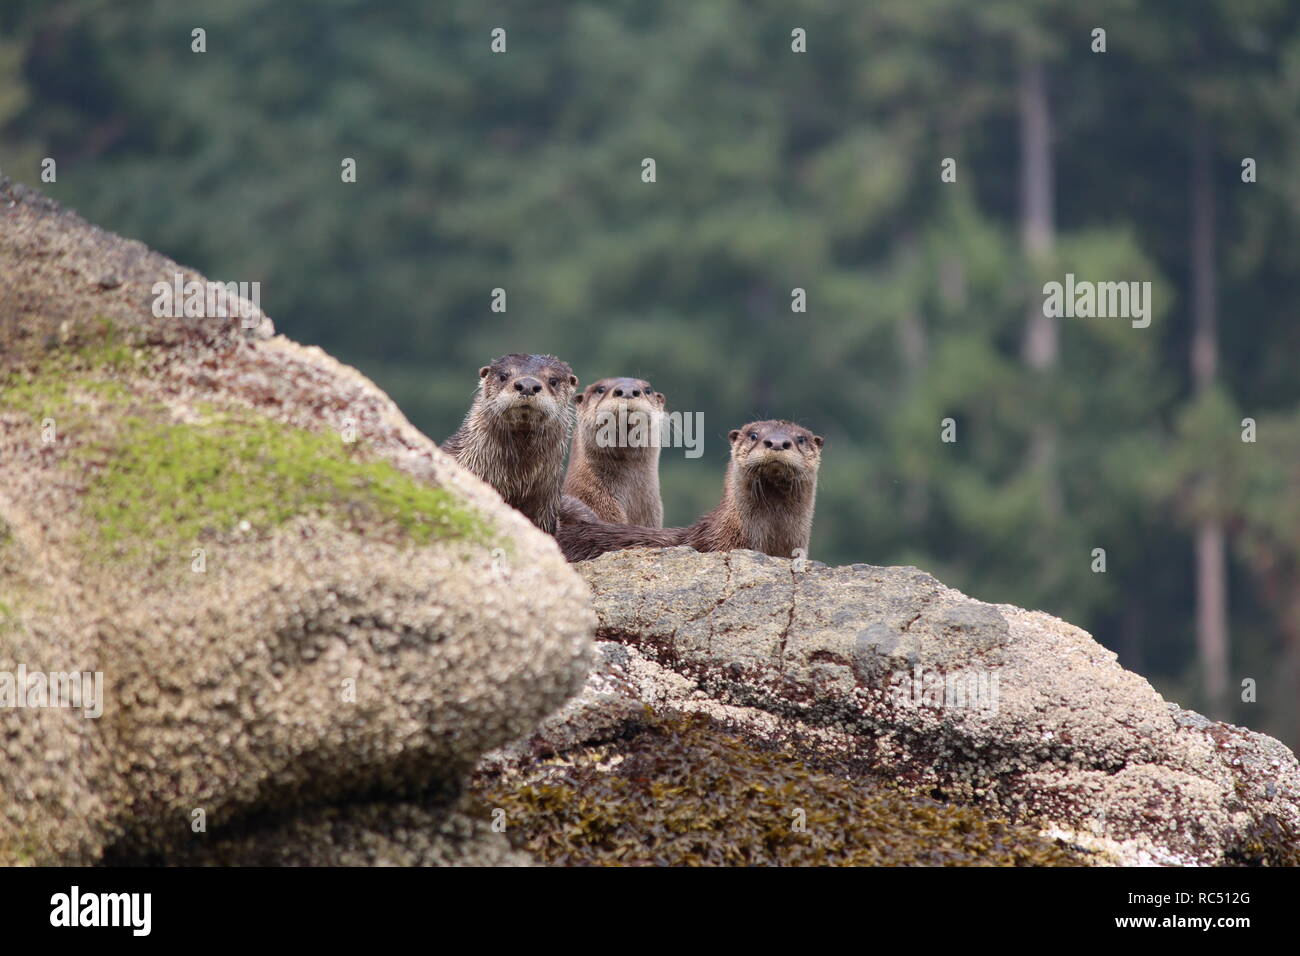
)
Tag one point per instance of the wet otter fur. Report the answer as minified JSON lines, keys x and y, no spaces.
{"x":516,"y":433}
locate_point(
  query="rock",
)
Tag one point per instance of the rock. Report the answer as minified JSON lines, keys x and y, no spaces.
{"x":1039,"y":721}
{"x":298,"y":604}
{"x":610,"y":701}
{"x":358,"y":834}
{"x":687,"y":790}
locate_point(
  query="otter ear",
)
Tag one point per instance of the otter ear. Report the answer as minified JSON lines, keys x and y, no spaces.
{"x":482,"y":373}
{"x":661,"y":398}
{"x":577,"y":399}
{"x":573,"y":380}
{"x":818,"y":440}
{"x":733,"y":434}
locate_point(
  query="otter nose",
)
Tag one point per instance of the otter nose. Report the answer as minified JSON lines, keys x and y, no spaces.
{"x":527,"y":386}
{"x":783,"y":443}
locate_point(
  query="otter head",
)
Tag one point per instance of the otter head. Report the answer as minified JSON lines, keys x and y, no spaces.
{"x":776,"y":452}
{"x":620,"y":414}
{"x":525,"y":391}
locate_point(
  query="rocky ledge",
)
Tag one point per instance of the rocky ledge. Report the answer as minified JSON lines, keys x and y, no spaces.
{"x":884,"y":674}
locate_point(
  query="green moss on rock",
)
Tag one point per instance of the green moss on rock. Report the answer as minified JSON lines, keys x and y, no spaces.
{"x":687,"y":792}
{"x":90,"y":364}
{"x":156,"y":484}
{"x":168,"y":484}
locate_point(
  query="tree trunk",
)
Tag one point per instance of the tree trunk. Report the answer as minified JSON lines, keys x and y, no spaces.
{"x":1211,"y":559}
{"x":1040,"y":347}
{"x":1212,"y":615}
{"x":1037,"y":228}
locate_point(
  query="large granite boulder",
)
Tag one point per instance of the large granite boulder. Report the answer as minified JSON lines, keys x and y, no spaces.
{"x":296,"y":602}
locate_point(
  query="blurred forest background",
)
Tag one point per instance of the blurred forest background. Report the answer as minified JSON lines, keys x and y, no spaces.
{"x":778,"y":170}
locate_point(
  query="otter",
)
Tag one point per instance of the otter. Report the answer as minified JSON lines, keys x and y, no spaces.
{"x":768,"y":497}
{"x":516,"y":432}
{"x":614,"y":462}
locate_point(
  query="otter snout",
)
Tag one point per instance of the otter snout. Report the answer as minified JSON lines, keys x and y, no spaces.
{"x":778,"y":439}
{"x":527,"y":386}
{"x":775,"y":446}
{"x":625,"y":394}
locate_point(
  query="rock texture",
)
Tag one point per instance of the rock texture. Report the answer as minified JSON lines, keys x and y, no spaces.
{"x":844,"y":660}
{"x":269,"y":676}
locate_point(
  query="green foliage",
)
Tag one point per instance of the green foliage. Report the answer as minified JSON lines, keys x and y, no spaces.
{"x":1207,"y":468}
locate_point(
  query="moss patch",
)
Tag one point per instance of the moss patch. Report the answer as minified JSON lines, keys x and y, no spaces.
{"x":157,"y":485}
{"x":165,"y":485}
{"x":91,"y":365}
{"x":687,"y":792}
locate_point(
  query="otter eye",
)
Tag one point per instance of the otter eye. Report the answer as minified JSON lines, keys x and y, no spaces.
{"x":555,"y":383}
{"x":601,"y":389}
{"x":801,"y":439}
{"x":753,"y":436}
{"x":503,"y":376}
